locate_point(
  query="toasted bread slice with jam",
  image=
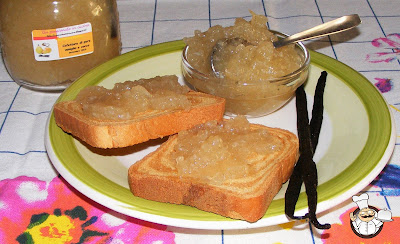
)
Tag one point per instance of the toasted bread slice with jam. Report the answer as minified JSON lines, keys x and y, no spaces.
{"x":157,"y":178}
{"x":142,"y":127}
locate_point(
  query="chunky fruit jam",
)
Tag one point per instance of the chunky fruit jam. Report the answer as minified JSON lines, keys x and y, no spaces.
{"x":218,"y":152}
{"x":257,"y":60}
{"x":130,"y":98}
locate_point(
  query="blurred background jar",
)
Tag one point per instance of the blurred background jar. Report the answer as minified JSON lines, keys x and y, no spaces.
{"x":47,"y":44}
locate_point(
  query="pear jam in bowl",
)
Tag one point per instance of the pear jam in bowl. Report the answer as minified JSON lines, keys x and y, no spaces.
{"x":257,"y":78}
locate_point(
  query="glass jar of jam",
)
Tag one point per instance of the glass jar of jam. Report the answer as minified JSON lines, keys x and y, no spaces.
{"x":47,"y":44}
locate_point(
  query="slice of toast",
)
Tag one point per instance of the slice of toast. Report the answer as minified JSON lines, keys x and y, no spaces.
{"x":156,"y":177}
{"x":142,"y":127}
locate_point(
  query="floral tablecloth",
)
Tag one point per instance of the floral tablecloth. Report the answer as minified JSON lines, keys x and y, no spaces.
{"x":38,"y":206}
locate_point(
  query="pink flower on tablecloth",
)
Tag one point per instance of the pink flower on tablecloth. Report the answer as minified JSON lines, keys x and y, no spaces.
{"x":391,"y":44}
{"x":383,"y":84}
{"x":34,"y":211}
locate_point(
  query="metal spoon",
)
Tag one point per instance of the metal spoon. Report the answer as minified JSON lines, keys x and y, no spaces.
{"x":225,"y":46}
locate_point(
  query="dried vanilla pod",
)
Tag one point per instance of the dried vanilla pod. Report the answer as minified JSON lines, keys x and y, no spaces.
{"x":318,"y":110}
{"x":305,"y":169}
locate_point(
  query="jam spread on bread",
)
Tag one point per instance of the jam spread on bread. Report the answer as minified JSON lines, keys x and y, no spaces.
{"x":216,"y":152}
{"x":129,"y":98}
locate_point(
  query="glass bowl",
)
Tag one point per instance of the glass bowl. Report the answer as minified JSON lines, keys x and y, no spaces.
{"x":253,"y":99}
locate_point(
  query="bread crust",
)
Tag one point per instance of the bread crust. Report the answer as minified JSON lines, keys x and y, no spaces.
{"x":143,"y":127}
{"x":155,"y":178}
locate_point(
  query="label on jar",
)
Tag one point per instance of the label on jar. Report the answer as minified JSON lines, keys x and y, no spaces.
{"x":62,"y":43}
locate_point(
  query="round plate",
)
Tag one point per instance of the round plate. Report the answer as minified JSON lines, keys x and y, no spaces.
{"x":357,"y":139}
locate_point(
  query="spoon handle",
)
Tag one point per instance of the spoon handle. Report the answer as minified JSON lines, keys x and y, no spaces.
{"x":335,"y":26}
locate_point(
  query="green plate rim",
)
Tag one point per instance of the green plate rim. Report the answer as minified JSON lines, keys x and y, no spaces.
{"x":377,"y":142}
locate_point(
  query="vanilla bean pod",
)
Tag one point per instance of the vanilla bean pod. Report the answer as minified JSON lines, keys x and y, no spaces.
{"x":305,"y":169}
{"x":296,"y":179}
{"x":293,"y":191}
{"x":318,"y":110}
